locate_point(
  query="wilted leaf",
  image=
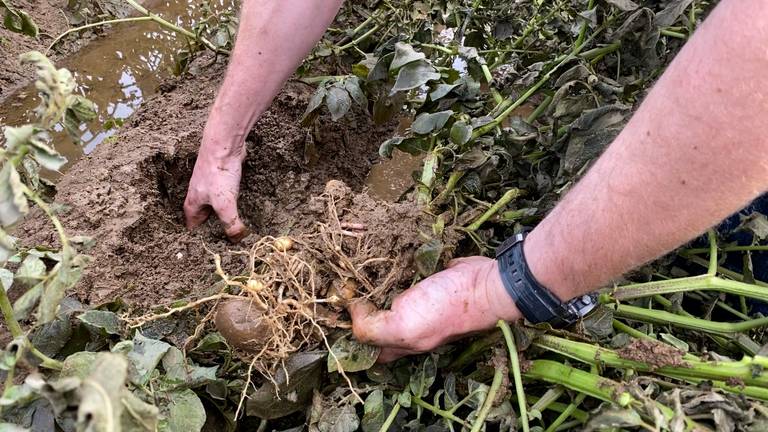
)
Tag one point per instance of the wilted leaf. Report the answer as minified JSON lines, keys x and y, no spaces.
{"x":145,"y":356}
{"x":31,"y":271}
{"x":7,"y":246}
{"x":625,"y":5}
{"x":404,"y":54}
{"x":6,"y":279}
{"x":352,"y":355}
{"x":426,"y":123}
{"x":756,"y":223}
{"x":104,"y":320}
{"x":414,"y":75}
{"x":79,"y":110}
{"x":18,"y":21}
{"x":100,"y":405}
{"x":338,"y":102}
{"x":13,"y":203}
{"x":339,"y":419}
{"x":599,"y":323}
{"x":671,"y":13}
{"x":55,"y":87}
{"x":183,"y":411}
{"x":314,"y":103}
{"x":78,"y":365}
{"x":613,"y":418}
{"x":211,"y":342}
{"x":441,"y":90}
{"x":305,"y":372}
{"x":138,"y":415}
{"x":181,"y":372}
{"x":8,"y":427}
{"x":352,"y":85}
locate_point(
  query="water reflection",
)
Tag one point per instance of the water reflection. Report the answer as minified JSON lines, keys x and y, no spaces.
{"x":117,"y":72}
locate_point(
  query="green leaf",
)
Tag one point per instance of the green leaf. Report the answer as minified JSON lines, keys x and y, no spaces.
{"x":78,"y":365}
{"x":404,"y":54}
{"x":6,"y":279}
{"x":426,"y":123}
{"x":211,"y":342}
{"x":145,"y":356}
{"x":424,"y":377}
{"x":404,"y":399}
{"x":179,"y":372}
{"x":183,"y":412}
{"x":352,"y":355}
{"x":19,"y":21}
{"x":338,"y":102}
{"x":13,"y":203}
{"x":9,"y":427}
{"x":441,"y":90}
{"x":31,"y":271}
{"x":7,"y":246}
{"x":104,"y":320}
{"x":339,"y":419}
{"x":100,"y":405}
{"x":375,"y":414}
{"x":80,"y":110}
{"x":414,"y":75}
{"x":138,"y":415}
{"x":386,"y":148}
{"x":461,"y":133}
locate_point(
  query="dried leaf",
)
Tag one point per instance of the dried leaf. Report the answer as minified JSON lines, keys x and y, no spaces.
{"x":13,"y":203}
{"x":104,"y":320}
{"x":374,"y":412}
{"x":100,"y":404}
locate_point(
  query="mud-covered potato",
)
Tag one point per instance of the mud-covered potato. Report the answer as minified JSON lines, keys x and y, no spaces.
{"x":241,"y":324}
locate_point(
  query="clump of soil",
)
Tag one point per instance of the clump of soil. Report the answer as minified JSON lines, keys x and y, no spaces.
{"x":128,"y":193}
{"x":653,"y":353}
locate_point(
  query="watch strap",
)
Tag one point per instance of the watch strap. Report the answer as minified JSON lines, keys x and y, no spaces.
{"x":537,"y":303}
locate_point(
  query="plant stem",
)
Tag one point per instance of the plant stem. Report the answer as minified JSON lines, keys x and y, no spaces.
{"x":704,"y":282}
{"x":361,"y":38}
{"x":173,"y":27}
{"x":539,"y":109}
{"x":390,"y":418}
{"x":691,"y":369}
{"x":566,"y":414}
{"x":514,"y":362}
{"x":674,"y":34}
{"x":712,"y":268}
{"x":656,"y":316}
{"x":427,"y":178}
{"x":479,"y":422}
{"x":575,"y":379}
{"x":96,"y":24}
{"x":17,"y":332}
{"x":450,"y":185}
{"x":504,"y":200}
{"x":620,"y":326}
{"x":584,"y":26}
{"x":435,"y":410}
{"x":728,"y":249}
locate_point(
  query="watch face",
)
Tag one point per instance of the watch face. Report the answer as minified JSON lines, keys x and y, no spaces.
{"x":584,"y":304}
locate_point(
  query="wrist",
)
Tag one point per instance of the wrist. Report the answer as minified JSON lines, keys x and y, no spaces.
{"x":547,"y":269}
{"x":500,"y":303}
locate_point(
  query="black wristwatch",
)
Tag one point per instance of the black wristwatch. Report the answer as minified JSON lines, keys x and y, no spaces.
{"x":537,"y":303}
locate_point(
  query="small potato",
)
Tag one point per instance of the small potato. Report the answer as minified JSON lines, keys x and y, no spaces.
{"x":283,"y":243}
{"x":348,"y":291}
{"x":241,"y":324}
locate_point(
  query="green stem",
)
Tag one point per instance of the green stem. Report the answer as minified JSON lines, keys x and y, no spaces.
{"x":390,"y":418}
{"x":728,"y":249}
{"x":721,"y":270}
{"x":539,"y":109}
{"x":504,"y":200}
{"x":655,"y":316}
{"x":474,"y":350}
{"x":691,"y":369}
{"x":566,"y":414}
{"x":437,"y":411}
{"x":712,"y":268}
{"x":674,"y":34}
{"x":559,"y":407}
{"x":704,"y":282}
{"x":479,"y":422}
{"x":440,"y":48}
{"x":361,"y":38}
{"x":96,"y":24}
{"x":514,"y":362}
{"x":585,"y":26}
{"x":575,"y":379}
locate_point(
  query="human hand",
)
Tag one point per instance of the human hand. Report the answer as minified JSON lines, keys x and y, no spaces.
{"x":215,"y":185}
{"x":467,"y":297}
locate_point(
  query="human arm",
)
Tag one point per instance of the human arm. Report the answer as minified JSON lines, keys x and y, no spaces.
{"x":693,"y":153}
{"x":272,"y":39}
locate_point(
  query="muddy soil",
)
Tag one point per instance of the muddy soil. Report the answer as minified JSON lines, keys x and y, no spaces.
{"x":654,"y":353}
{"x":48,"y":16}
{"x":128,"y":193}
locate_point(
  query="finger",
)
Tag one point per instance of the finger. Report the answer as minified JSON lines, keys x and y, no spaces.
{"x":373,"y":326}
{"x":391,"y":354}
{"x":233,"y":225}
{"x":195,"y":213}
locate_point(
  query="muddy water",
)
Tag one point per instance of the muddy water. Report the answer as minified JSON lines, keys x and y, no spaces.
{"x":117,"y":71}
{"x":390,"y":178}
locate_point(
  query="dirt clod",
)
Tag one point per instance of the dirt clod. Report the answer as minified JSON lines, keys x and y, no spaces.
{"x":656,"y":354}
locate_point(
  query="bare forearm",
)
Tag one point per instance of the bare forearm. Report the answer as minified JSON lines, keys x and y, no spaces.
{"x":694,"y":152}
{"x":273,"y":37}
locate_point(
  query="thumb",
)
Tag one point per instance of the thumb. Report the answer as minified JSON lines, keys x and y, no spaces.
{"x":373,"y":326}
{"x":233,"y":225}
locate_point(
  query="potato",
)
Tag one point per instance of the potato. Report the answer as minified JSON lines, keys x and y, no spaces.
{"x":241,"y":324}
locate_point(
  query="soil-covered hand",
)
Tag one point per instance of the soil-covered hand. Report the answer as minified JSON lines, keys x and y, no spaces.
{"x":215,"y":185}
{"x":466,"y":297}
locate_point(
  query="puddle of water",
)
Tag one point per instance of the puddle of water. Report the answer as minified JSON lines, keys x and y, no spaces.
{"x":390,"y":178}
{"x":117,"y":71}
